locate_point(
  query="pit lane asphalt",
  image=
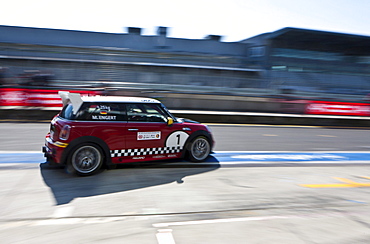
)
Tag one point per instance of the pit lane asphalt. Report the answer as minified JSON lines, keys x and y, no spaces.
{"x":204,"y":204}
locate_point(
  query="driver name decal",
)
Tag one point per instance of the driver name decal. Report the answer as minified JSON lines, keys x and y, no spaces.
{"x":153,"y":135}
{"x":104,"y":117}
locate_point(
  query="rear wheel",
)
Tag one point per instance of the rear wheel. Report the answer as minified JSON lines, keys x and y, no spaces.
{"x":199,"y":149}
{"x":86,"y":159}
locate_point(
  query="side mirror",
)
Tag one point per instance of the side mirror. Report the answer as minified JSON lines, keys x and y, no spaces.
{"x":169,"y":121}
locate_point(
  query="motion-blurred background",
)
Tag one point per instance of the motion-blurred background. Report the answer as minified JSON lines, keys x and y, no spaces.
{"x":290,"y":70}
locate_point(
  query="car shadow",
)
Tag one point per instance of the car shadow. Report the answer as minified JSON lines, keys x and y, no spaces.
{"x":66,"y":187}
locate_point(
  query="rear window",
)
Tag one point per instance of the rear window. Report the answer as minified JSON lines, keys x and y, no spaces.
{"x":96,"y":112}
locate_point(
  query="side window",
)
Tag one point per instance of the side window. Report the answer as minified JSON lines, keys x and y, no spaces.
{"x":146,"y":113}
{"x":101,"y":112}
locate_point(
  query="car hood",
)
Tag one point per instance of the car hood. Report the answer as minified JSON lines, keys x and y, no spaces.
{"x":184,"y":120}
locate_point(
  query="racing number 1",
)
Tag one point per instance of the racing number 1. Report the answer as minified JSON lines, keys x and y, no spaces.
{"x":178,"y":139}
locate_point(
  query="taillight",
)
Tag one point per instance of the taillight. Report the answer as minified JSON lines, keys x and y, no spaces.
{"x":52,"y":130}
{"x":64,"y":133}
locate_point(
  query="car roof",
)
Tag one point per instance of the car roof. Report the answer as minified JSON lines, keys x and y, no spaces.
{"x":118,"y":99}
{"x":77,"y":100}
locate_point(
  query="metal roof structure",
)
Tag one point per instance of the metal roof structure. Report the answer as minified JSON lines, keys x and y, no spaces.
{"x":123,"y":41}
{"x":322,"y":40}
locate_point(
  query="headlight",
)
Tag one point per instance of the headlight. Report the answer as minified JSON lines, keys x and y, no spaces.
{"x":208,"y":129}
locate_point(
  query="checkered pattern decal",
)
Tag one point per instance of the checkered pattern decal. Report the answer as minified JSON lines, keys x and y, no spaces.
{"x":144,"y":151}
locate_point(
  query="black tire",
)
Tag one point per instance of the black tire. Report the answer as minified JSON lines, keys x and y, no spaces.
{"x":199,"y":149}
{"x":86,"y":159}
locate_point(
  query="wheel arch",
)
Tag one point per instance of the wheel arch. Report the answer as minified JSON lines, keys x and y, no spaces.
{"x":87,"y":139}
{"x":195,"y":135}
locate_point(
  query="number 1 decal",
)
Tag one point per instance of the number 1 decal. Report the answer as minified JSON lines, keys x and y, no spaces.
{"x":177,"y":139}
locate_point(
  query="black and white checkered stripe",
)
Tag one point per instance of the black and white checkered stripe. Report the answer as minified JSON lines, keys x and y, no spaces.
{"x":144,"y":151}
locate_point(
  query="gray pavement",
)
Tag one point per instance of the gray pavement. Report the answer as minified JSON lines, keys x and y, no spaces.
{"x":208,"y":205}
{"x":274,"y":202}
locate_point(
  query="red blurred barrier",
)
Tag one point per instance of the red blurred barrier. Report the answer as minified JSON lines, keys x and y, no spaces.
{"x":34,"y":97}
{"x":338,"y":108}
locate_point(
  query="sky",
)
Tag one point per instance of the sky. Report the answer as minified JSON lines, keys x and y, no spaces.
{"x":235,"y":20}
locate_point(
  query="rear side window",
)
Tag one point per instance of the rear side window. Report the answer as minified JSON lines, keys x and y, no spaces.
{"x":67,"y":112}
{"x":96,"y":112}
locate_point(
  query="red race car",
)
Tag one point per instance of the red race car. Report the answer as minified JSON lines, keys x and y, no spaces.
{"x":91,"y":132}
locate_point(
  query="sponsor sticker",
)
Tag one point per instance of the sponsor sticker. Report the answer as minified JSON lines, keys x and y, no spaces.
{"x":159,"y":156}
{"x":153,"y":135}
{"x":138,"y":158}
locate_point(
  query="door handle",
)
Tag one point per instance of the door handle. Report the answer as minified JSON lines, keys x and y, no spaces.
{"x":134,"y":129}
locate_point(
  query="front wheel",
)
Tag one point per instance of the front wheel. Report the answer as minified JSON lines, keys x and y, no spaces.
{"x":199,"y":149}
{"x":86,"y":159}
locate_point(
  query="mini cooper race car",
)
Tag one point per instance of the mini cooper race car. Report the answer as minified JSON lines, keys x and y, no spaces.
{"x":92,"y":132}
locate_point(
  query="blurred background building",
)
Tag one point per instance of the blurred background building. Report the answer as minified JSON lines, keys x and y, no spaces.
{"x":312,"y":61}
{"x":289,"y":62}
{"x":82,"y":57}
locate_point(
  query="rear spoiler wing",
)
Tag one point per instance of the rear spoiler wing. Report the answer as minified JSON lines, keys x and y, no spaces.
{"x":73,"y":98}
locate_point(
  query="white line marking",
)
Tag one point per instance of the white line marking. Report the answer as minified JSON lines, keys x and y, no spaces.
{"x":288,"y":157}
{"x":63,"y":212}
{"x":215,"y":221}
{"x":263,"y":125}
{"x":164,"y":236}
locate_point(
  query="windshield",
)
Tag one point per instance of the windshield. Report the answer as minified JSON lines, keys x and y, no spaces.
{"x":168,"y":112}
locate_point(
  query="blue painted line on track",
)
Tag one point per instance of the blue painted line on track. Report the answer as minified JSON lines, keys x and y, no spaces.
{"x":19,"y":157}
{"x":290,"y":157}
{"x":22,"y":158}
